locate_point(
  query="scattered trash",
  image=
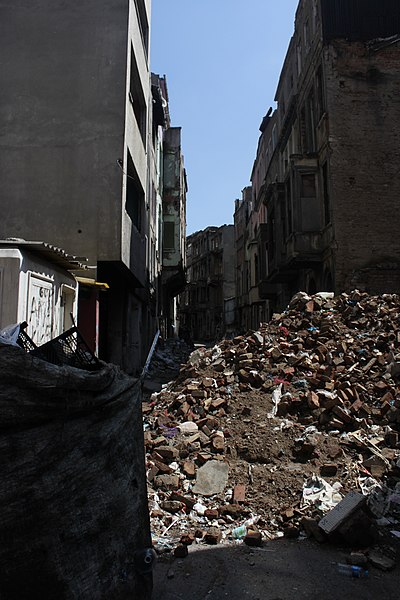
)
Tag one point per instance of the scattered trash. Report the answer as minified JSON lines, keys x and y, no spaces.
{"x":319,"y":492}
{"x":276,"y":398}
{"x":352,"y":571}
{"x":9,"y":335}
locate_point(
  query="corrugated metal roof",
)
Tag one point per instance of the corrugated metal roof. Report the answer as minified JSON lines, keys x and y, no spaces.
{"x":53,"y":254}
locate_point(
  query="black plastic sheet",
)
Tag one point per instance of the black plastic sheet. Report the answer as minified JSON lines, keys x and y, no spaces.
{"x":73,"y":502}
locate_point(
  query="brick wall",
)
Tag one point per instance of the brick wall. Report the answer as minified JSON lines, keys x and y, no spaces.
{"x":363,"y":92}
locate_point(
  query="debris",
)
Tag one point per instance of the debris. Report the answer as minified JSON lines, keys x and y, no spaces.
{"x":319,"y":492}
{"x":181,"y":551}
{"x":358,"y":559}
{"x":211,"y":479}
{"x":188,"y":427}
{"x":239,"y":493}
{"x":342,"y":511}
{"x":253,"y":538}
{"x":213,"y":536}
{"x":313,"y":394}
{"x":380,"y":561}
{"x":239,"y":532}
{"x":352,"y":571}
{"x":311,"y":529}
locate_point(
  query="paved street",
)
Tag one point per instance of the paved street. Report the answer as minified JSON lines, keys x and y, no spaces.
{"x":281,"y":570}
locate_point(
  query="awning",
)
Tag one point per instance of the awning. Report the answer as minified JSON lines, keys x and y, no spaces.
{"x":92,"y":283}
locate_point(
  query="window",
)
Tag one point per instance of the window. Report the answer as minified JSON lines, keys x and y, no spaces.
{"x":308,"y":189}
{"x":320,"y":94}
{"x":274,"y":137}
{"x":315,"y":15}
{"x":283,"y":220}
{"x":306,"y":36}
{"x":303,"y":132}
{"x":310,"y":124}
{"x":299,"y":58}
{"x":256,"y":270}
{"x":327,"y":207}
{"x":143,"y":24}
{"x":134,"y":197}
{"x":169,"y":235}
{"x":271,"y":235}
{"x":288,"y":199}
{"x":136,"y":97}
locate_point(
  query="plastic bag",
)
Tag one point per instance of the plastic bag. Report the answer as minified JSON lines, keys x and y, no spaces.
{"x":9,"y":335}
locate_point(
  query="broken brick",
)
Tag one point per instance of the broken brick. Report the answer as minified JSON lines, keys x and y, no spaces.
{"x":253,"y":538}
{"x":212,"y":536}
{"x":239,"y":493}
{"x":181,"y":551}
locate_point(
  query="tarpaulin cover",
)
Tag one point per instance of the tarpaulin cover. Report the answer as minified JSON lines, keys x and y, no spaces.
{"x":73,"y":503}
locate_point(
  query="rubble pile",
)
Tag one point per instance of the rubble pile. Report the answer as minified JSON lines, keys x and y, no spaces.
{"x":263,"y":435}
{"x":165,"y":363}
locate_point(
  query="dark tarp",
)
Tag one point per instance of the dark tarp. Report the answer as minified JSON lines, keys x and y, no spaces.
{"x":73,"y":502}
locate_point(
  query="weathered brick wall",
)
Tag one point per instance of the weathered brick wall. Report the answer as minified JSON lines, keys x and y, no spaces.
{"x":363,"y":94}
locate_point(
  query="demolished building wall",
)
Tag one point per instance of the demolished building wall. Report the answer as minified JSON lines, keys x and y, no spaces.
{"x":362,"y":84}
{"x":327,"y":156}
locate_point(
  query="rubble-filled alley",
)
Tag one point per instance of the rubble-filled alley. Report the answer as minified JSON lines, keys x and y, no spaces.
{"x":262,"y":436}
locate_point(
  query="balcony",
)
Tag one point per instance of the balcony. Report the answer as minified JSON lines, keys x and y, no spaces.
{"x":304,"y":248}
{"x":301,"y":250}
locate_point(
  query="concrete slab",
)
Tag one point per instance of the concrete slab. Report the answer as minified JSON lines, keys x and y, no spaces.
{"x":212,"y":478}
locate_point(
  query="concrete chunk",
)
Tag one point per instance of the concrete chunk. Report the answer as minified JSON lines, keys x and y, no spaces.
{"x":212,"y":478}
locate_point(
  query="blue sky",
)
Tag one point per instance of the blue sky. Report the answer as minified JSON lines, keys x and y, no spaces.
{"x":222,"y":59}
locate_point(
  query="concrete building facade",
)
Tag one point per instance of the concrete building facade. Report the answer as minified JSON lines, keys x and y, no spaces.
{"x":326,"y":171}
{"x":207,"y":305}
{"x":81,"y":153}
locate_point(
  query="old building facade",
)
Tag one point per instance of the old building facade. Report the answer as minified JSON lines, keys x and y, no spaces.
{"x":81,"y":154}
{"x":174,"y":230}
{"x":251,"y":307}
{"x":325,"y":179}
{"x":207,"y":307}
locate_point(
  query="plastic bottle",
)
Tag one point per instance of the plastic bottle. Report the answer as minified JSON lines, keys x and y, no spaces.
{"x":352,"y":570}
{"x":239,"y":532}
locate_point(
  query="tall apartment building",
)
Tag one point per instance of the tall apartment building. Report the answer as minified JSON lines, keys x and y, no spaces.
{"x":325,"y":179}
{"x":174,"y":229}
{"x":168,"y":224}
{"x":207,"y":310}
{"x":81,"y":136}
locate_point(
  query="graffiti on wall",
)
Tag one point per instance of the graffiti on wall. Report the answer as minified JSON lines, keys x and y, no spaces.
{"x":40,"y":310}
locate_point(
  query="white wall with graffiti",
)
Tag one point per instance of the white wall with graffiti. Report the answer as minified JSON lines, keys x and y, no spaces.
{"x":38,"y":291}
